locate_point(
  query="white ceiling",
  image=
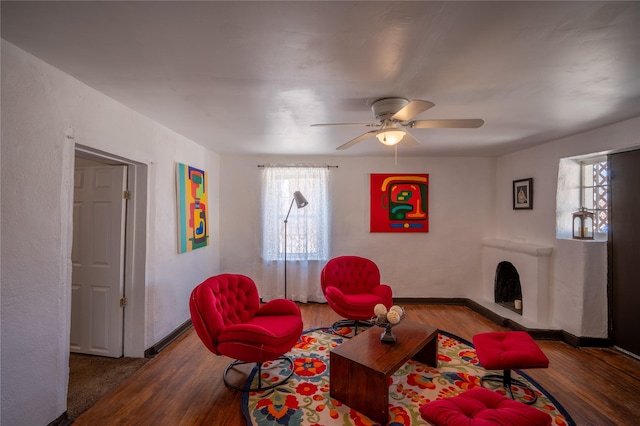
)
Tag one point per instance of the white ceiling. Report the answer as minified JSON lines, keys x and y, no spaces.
{"x":250,"y":77}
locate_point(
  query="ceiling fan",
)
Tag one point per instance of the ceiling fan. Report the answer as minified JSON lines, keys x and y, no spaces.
{"x":394,"y":114}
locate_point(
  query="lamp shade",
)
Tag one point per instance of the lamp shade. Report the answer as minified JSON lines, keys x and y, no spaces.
{"x":390,"y":134}
{"x":300,"y":200}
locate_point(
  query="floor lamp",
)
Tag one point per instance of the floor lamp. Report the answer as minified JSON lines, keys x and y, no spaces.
{"x":301,"y":202}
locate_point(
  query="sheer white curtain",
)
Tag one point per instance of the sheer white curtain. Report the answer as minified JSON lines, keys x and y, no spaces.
{"x":307,"y":241}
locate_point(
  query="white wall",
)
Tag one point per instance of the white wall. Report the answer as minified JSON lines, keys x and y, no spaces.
{"x":578,"y":299}
{"x":39,"y":106}
{"x":445,"y":262}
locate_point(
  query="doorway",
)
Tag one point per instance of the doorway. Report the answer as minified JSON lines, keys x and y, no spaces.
{"x":133,"y":277}
{"x":135,"y":238}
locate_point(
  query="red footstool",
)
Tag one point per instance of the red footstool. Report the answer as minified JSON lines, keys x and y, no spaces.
{"x":482,"y":407}
{"x":509,"y":350}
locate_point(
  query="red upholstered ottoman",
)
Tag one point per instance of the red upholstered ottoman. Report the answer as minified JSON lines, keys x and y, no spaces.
{"x":482,"y":407}
{"x":509,"y":350}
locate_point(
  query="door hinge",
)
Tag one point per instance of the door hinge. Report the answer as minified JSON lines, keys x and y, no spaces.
{"x":126,"y":194}
{"x":123,"y":302}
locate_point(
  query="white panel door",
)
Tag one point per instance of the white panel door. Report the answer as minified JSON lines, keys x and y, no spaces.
{"x":97,"y":256}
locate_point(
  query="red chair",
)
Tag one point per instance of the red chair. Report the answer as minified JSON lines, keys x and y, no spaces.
{"x":352,"y":287}
{"x":227,"y":316}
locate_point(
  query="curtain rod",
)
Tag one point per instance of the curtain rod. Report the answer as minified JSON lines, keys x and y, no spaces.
{"x":270,"y":165}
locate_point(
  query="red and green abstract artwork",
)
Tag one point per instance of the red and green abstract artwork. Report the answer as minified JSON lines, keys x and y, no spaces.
{"x":399,"y":202}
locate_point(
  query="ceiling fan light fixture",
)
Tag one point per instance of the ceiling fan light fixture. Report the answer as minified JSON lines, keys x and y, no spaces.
{"x":390,"y":137}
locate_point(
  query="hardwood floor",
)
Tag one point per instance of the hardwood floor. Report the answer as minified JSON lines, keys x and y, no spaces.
{"x":183,"y":384}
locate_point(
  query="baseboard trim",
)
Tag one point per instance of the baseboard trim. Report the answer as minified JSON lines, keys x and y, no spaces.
{"x":62,"y":420}
{"x":586,"y":342}
{"x":156,"y":348}
{"x":536,"y":333}
{"x":431,"y":301}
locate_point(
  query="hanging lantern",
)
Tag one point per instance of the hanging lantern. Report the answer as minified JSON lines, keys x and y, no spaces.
{"x":583,"y":224}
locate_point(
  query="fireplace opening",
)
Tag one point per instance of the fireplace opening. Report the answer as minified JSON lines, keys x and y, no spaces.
{"x":507,"y":290}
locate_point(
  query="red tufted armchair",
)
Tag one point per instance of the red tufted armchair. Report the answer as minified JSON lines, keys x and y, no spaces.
{"x":352,"y":287}
{"x":227,"y":316}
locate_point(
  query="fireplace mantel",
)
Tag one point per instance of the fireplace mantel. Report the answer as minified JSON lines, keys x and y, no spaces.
{"x":531,"y":249}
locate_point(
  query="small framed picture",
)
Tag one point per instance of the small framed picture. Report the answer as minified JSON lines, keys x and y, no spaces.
{"x":523,"y":194}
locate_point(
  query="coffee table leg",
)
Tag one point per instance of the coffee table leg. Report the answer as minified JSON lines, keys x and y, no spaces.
{"x":429,"y":354}
{"x":360,"y":387}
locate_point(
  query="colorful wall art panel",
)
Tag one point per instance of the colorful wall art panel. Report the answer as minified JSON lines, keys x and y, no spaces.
{"x":399,"y":202}
{"x":193,"y":220}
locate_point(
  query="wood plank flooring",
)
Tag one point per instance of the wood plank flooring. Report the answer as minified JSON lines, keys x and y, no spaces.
{"x":183,"y":384}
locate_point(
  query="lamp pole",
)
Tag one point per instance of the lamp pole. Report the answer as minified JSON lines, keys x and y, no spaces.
{"x":301,"y":202}
{"x":286,"y":220}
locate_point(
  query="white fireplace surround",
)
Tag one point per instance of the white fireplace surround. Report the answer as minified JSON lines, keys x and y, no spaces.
{"x":533,"y":265}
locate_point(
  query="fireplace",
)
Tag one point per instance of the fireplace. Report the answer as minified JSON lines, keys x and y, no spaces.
{"x":507,"y":291}
{"x":531,"y":267}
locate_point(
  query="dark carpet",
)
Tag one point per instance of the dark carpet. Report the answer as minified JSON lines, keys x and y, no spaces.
{"x":92,"y":377}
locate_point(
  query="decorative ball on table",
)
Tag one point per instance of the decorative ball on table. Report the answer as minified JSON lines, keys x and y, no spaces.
{"x":388,"y":319}
{"x":393,"y":317}
{"x":380,"y":312}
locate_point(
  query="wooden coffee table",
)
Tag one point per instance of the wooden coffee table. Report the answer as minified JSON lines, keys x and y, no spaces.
{"x":360,"y":367}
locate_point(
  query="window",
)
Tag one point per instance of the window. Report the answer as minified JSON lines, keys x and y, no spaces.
{"x":595,"y":192}
{"x":307,"y":228}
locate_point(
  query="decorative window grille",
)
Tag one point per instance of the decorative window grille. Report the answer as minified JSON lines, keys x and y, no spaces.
{"x":595,"y":192}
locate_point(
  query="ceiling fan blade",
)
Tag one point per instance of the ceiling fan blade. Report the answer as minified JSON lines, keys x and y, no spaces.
{"x":469,"y":123}
{"x":358,"y":139}
{"x":409,"y":140}
{"x":346,"y":124}
{"x":412,"y":109}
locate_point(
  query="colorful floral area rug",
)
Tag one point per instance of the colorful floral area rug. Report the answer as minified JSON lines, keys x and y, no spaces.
{"x":304,"y":399}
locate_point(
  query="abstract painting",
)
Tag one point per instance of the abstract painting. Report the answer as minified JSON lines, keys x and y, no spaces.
{"x":193,"y":220}
{"x":399,"y":202}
